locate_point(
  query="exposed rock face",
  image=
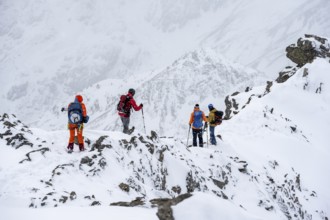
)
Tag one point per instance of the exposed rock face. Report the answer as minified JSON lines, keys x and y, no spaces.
{"x":165,"y":211}
{"x":147,"y":161}
{"x":139,"y":201}
{"x":307,"y":49}
{"x":285,"y":74}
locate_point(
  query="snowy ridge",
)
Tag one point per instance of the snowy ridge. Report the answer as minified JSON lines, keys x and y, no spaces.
{"x":127,"y":170}
{"x":201,"y":76}
{"x":271,"y":161}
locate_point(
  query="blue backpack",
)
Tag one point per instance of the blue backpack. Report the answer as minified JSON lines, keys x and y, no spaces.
{"x":75,"y":113}
{"x":198,"y":119}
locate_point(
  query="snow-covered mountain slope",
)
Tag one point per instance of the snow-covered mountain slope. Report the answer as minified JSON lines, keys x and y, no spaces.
{"x":168,"y":96}
{"x":272,"y":161}
{"x":49,"y":49}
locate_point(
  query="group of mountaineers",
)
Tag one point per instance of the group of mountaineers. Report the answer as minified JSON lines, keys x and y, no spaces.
{"x":77,"y":116}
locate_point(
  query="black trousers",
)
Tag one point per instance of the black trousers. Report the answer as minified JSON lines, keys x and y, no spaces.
{"x":197,"y":133}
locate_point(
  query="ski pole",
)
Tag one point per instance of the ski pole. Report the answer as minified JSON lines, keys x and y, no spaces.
{"x":207,"y":138}
{"x":207,"y":135}
{"x":188,"y":134}
{"x":144,"y":125}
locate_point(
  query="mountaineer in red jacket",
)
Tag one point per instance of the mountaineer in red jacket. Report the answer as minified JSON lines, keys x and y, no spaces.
{"x":124,"y":109}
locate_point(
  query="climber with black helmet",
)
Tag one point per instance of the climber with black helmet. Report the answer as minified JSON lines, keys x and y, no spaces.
{"x":124,"y":107}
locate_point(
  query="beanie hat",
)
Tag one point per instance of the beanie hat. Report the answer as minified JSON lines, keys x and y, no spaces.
{"x":132,"y":91}
{"x":210,"y":106}
{"x":79,"y":98}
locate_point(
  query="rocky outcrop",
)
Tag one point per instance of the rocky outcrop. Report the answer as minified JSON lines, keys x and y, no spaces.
{"x":307,"y":49}
{"x":285,"y":74}
{"x":165,"y":211}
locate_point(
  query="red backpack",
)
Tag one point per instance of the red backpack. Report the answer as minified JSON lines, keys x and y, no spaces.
{"x":124,"y":104}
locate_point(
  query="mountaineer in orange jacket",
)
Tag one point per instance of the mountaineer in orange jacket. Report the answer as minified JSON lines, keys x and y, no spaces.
{"x":196,"y":121}
{"x":77,"y":115}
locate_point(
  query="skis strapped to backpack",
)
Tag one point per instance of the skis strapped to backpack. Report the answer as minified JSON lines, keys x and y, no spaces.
{"x":123,"y":105}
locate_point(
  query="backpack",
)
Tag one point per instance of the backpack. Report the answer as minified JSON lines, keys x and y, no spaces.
{"x":218,"y":117}
{"x":198,"y":119}
{"x":75,"y":113}
{"x":123,"y":104}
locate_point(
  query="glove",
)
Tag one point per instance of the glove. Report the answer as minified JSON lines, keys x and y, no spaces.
{"x":141,"y":105}
{"x":62,"y":109}
{"x":86,"y":119}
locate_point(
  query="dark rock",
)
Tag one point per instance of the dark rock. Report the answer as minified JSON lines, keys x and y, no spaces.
{"x":220,"y":184}
{"x":176,"y":189}
{"x":139,"y":201}
{"x":305,"y":72}
{"x":87,"y":141}
{"x":286,"y":74}
{"x":298,"y":186}
{"x":41,"y":150}
{"x":102,"y":163}
{"x":124,"y":187}
{"x":248,"y":89}
{"x":191,"y":183}
{"x":62,"y":166}
{"x":320,"y":39}
{"x":8,"y":124}
{"x":18,"y":141}
{"x":95,"y":203}
{"x":235,"y":104}
{"x":153,"y":136}
{"x":305,"y":51}
{"x":224,"y":195}
{"x":7,"y":133}
{"x":270,"y":208}
{"x":63,"y":199}
{"x":228,"y":108}
{"x":86,"y":160}
{"x":73,"y":195}
{"x":293,"y":129}
{"x":161,"y":155}
{"x":269,"y":85}
{"x":164,"y":206}
{"x":98,"y":144}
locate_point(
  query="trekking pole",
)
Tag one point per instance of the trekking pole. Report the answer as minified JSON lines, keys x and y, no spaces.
{"x":207,"y":137}
{"x":188,"y":135}
{"x":144,"y":125}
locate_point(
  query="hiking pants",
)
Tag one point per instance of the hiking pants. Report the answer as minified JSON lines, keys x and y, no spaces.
{"x":199,"y":133}
{"x":125,"y":124}
{"x":76,"y":128}
{"x":212,"y":136}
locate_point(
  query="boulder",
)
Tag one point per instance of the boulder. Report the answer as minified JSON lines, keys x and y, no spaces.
{"x":307,"y":49}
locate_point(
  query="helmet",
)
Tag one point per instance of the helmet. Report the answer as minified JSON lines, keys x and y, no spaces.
{"x":79,"y":98}
{"x":132,"y":91}
{"x":210,"y":106}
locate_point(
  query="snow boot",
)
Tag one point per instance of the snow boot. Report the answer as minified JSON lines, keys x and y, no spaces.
{"x":81,"y":147}
{"x":130,"y":131}
{"x":70,"y":147}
